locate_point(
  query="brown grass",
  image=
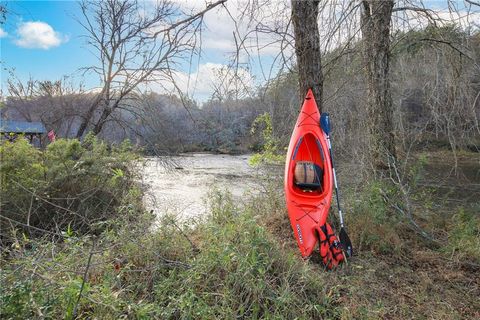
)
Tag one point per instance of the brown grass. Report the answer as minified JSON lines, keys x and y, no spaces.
{"x":395,"y":274}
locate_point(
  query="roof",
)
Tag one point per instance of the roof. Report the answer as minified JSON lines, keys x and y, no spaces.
{"x":21,"y":126}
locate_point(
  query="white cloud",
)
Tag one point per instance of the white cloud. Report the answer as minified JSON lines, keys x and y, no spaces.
{"x":239,"y":23}
{"x":3,"y":33}
{"x":209,"y":79}
{"x":240,"y":17}
{"x":38,"y":35}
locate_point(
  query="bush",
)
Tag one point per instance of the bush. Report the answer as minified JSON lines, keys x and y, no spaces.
{"x":67,"y":186}
{"x":372,"y":224}
{"x":270,"y":153}
{"x":226,"y":266}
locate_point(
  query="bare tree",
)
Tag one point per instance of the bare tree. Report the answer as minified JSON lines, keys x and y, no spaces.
{"x":376,"y":18}
{"x":307,"y":47}
{"x":134,"y":45}
{"x":58,"y":104}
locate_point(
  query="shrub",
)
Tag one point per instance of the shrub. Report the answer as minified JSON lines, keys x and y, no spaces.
{"x":226,"y":266}
{"x":68,"y":185}
{"x":372,"y":224}
{"x":270,"y":150}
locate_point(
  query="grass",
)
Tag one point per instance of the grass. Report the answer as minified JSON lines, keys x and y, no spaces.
{"x":241,"y":261}
{"x":395,"y":273}
{"x":234,"y":269}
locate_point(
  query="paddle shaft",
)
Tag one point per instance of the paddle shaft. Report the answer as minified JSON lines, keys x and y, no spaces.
{"x":335,"y":180}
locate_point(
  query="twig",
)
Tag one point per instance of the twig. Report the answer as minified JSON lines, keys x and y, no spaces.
{"x":194,"y":247}
{"x":45,"y":200}
{"x":473,"y":3}
{"x":190,"y":19}
{"x":31,"y":227}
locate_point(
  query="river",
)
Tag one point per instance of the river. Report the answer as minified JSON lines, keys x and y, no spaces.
{"x":181,"y":187}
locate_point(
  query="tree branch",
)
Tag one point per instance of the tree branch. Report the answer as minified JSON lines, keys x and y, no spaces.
{"x":191,"y":18}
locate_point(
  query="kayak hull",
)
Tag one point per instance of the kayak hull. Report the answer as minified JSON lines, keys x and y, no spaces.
{"x":308,"y":210}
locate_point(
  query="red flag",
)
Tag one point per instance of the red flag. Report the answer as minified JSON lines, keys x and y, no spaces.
{"x":51,"y":136}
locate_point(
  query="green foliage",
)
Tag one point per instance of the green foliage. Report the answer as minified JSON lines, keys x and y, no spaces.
{"x":69,"y":185}
{"x":239,"y":261}
{"x":235,"y":270}
{"x":240,"y":272}
{"x":372,"y":224}
{"x":20,"y":166}
{"x":270,"y":149}
{"x":464,"y":236}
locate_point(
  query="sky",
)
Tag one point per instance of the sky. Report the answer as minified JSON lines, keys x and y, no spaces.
{"x":42,"y":40}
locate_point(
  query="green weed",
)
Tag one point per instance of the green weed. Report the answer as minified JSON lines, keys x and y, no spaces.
{"x":464,"y":236}
{"x":271,"y":153}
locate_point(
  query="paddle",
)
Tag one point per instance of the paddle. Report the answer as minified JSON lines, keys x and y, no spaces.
{"x":344,"y":239}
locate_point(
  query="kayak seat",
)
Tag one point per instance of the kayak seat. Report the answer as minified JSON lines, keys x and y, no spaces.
{"x":308,"y":176}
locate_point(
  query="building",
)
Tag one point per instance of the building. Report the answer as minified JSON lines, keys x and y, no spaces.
{"x":10,"y":129}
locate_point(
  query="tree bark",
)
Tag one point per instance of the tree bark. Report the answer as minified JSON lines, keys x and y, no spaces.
{"x":375,"y":25}
{"x":307,"y":48}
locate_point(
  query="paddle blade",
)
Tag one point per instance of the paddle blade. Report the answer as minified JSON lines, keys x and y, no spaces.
{"x":346,"y":243}
{"x":325,"y":123}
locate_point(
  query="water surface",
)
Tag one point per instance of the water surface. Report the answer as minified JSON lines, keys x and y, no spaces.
{"x":182,"y":187}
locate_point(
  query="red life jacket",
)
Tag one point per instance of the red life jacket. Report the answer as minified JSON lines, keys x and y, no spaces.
{"x":330,"y":249}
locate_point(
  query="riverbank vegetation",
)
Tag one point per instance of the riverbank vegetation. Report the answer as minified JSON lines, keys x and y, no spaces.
{"x":238,"y":261}
{"x":77,"y":241}
{"x":67,"y":186}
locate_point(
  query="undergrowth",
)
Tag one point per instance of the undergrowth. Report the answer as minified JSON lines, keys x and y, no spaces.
{"x":270,"y":153}
{"x":374,"y":227}
{"x":239,"y":261}
{"x":68,"y":186}
{"x":464,"y":236}
{"x":234,"y":268}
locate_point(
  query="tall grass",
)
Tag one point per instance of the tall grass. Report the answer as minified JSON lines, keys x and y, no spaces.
{"x":238,"y":261}
{"x":233,"y":269}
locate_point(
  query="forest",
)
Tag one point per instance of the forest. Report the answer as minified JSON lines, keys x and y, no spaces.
{"x":427,"y":109}
{"x":401,"y":83}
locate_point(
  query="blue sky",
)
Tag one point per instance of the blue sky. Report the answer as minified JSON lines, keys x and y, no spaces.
{"x":60,"y":49}
{"x":42,"y":40}
{"x":48,"y":63}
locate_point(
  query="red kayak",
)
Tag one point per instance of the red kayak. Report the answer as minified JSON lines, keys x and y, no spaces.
{"x":308,"y":178}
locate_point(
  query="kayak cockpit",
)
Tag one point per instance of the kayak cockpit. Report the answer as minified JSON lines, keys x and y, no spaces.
{"x":307,"y":166}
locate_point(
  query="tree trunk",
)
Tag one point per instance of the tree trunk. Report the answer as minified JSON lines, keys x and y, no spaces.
{"x":376,"y":18}
{"x":103,"y":119}
{"x":84,"y":124}
{"x":307,"y":48}
{"x":89,"y":115}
